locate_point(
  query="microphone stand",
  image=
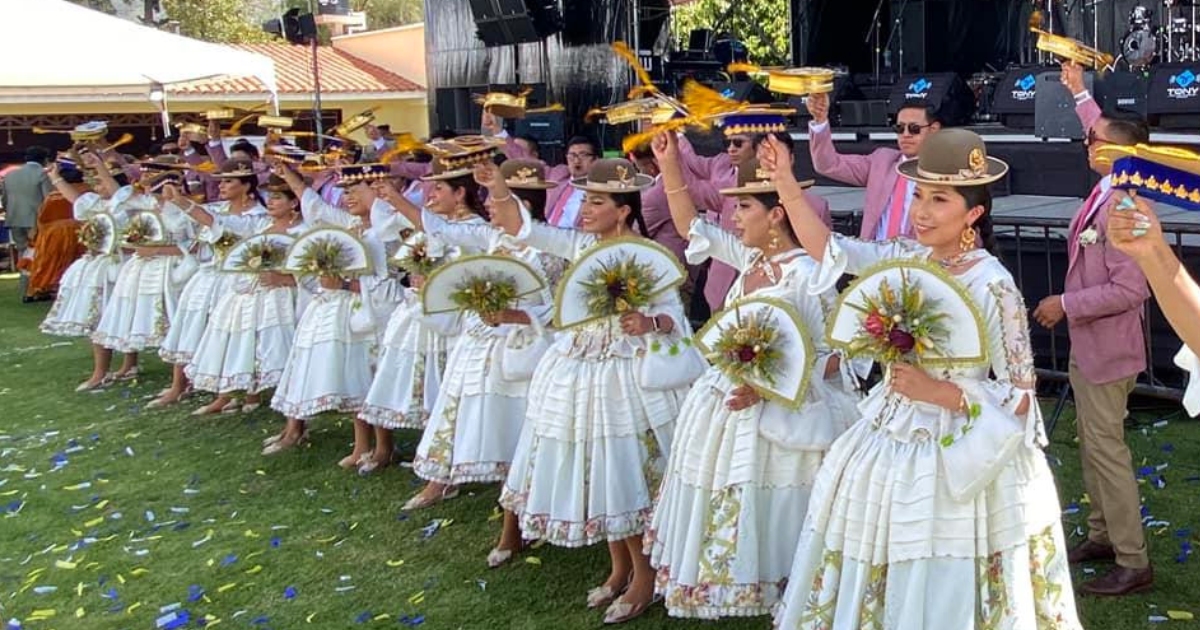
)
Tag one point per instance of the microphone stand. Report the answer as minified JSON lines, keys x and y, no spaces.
{"x":897,"y":27}
{"x":874,"y":32}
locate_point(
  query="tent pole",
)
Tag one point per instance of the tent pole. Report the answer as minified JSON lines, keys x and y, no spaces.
{"x":316,"y":69}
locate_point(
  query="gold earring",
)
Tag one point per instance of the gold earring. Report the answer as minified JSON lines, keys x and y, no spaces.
{"x":774,"y":234}
{"x":966,"y":242}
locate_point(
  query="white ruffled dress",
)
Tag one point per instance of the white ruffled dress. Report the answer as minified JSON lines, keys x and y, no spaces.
{"x":329,"y":364}
{"x":249,"y":334}
{"x":916,"y":523}
{"x":204,"y":287}
{"x":737,"y":485}
{"x":476,"y":421}
{"x":87,"y":284}
{"x":595,"y":442}
{"x":144,"y":297}
{"x":414,"y":351}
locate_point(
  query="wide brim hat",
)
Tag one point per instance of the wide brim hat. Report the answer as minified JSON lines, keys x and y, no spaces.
{"x":801,"y":81}
{"x":235,"y":169}
{"x":755,"y":121}
{"x":613,"y":176}
{"x":164,"y":164}
{"x":154,"y":182}
{"x":458,"y":157}
{"x":352,"y":174}
{"x":503,"y":104}
{"x":90,"y":131}
{"x":754,"y":180}
{"x":523,"y":174}
{"x":354,"y":123}
{"x":953,"y":157}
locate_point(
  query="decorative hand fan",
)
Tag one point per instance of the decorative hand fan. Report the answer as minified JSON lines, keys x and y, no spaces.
{"x":763,"y":343}
{"x":328,"y":252}
{"x":912,"y":311}
{"x":145,"y":228}
{"x":614,"y":277}
{"x":480,"y":284}
{"x":264,"y":252}
{"x":99,"y":234}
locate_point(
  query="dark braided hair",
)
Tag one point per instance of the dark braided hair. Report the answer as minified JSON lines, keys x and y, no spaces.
{"x":982,"y":196}
{"x":473,"y":197}
{"x":634,"y":201}
{"x":534,"y":200}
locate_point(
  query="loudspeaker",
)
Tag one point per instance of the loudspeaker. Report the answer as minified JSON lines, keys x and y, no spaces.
{"x":744,"y":91}
{"x":508,"y":22}
{"x":1054,"y":108}
{"x":1014,"y":96}
{"x":870,"y":113}
{"x":1174,"y":94}
{"x":845,"y":92}
{"x":923,"y":36}
{"x":1123,"y":90}
{"x":546,"y":128}
{"x":946,"y":91}
{"x":456,"y":108}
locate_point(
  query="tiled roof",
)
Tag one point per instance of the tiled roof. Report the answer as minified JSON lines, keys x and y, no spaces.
{"x":340,"y":73}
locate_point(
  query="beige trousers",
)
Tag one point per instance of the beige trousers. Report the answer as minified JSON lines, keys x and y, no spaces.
{"x":1115,"y":518}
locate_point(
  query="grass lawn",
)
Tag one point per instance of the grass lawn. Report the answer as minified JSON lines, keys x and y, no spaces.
{"x":113,"y":514}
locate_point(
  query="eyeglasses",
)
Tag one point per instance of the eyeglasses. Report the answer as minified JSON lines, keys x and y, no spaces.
{"x":736,"y":143}
{"x":1092,"y":138}
{"x":170,"y":150}
{"x":580,"y":156}
{"x":913,"y":129}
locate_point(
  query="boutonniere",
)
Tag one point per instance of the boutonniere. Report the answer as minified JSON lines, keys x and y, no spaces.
{"x":1089,"y":236}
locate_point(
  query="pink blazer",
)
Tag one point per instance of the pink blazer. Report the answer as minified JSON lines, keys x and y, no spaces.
{"x":1103,"y":294}
{"x":876,"y":172}
{"x":659,"y":224}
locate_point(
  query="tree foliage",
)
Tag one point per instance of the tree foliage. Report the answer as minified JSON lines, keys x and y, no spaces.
{"x":221,"y":21}
{"x":763,"y":25}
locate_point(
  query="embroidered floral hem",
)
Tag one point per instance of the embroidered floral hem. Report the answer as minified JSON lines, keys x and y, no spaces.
{"x":309,"y":408}
{"x":135,"y":343}
{"x":712,"y":601}
{"x":68,"y":329}
{"x":606,"y":528}
{"x":178,"y":357}
{"x":474,"y":472}
{"x":249,"y":382}
{"x":386,"y":418}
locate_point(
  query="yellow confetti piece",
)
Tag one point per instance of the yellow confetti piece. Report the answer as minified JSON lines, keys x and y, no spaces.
{"x":63,"y":564}
{"x":417,"y":598}
{"x":533,"y":560}
{"x":395,"y":563}
{"x":80,"y":612}
{"x":496,"y":515}
{"x":9,"y":493}
{"x":253,"y":554}
{"x":327,"y":540}
{"x":309,"y":618}
{"x":354,"y":526}
{"x":43,"y":613}
{"x":79,"y":590}
{"x":210,"y":621}
{"x":36,"y":572}
{"x":94,"y":522}
{"x":243,"y":491}
{"x":139,"y":571}
{"x":77,"y":486}
{"x":260,"y":472}
{"x":382,"y":617}
{"x":91,"y":566}
{"x":211,"y":562}
{"x":256,"y":569}
{"x":226,"y":587}
{"x":101,"y":505}
{"x":1180,"y":615}
{"x":120,"y":578}
{"x":78,"y":533}
{"x":130,"y":436}
{"x":249,"y":533}
{"x":205,"y":599}
{"x":132,"y":608}
{"x":108,"y":538}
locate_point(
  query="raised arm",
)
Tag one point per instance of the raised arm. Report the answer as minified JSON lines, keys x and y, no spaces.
{"x":809,"y":227}
{"x":683,"y":210}
{"x":851,"y":169}
{"x":401,"y":203}
{"x":506,"y":210}
{"x":66,"y":190}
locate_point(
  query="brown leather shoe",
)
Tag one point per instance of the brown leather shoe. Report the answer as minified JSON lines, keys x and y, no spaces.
{"x":1091,"y":551}
{"x":1121,"y":581}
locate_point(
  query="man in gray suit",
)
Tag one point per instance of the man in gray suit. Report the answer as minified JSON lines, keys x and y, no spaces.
{"x":24,"y":190}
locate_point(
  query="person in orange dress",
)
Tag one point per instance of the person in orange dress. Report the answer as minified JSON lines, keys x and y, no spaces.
{"x":56,"y":245}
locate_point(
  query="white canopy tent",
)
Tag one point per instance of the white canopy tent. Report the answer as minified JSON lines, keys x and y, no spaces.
{"x":55,"y":48}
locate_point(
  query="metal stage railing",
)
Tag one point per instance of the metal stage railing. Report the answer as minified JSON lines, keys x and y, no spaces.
{"x":1035,"y":251}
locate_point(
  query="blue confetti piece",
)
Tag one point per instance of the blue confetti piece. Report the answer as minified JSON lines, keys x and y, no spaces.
{"x":403,"y":516}
{"x":258,"y":621}
{"x":72,"y":443}
{"x":416,"y":621}
{"x":275,"y":542}
{"x":95,"y":437}
{"x":1145,"y":511}
{"x":111,"y":593}
{"x":1145,"y":470}
{"x":1160,"y":482}
{"x":289,"y":592}
{"x":1072,"y":508}
{"x":13,"y":624}
{"x":363,"y":618}
{"x":228,"y":560}
{"x":1183,"y":533}
{"x":177,"y":619}
{"x":1168,"y":448}
{"x":195,"y":593}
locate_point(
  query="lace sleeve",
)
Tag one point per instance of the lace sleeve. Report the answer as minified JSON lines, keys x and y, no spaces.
{"x":1008,"y":333}
{"x":470,"y":236}
{"x":708,"y":240}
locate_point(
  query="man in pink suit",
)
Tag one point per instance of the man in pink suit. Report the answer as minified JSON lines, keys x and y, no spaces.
{"x":706,"y":176}
{"x":889,"y":196}
{"x":563,"y":203}
{"x":1102,"y":302}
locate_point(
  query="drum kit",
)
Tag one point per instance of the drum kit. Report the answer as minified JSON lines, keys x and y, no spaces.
{"x":1172,"y":39}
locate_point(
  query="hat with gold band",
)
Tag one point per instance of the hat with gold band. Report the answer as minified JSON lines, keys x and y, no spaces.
{"x":755,"y":120}
{"x":1166,"y":174}
{"x":456,"y":158}
{"x":953,"y":157}
{"x":525,"y":174}
{"x":235,"y":169}
{"x":352,"y":174}
{"x":754,"y":180}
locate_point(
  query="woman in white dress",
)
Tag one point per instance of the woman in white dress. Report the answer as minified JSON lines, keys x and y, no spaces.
{"x":249,"y":333}
{"x":728,"y":516}
{"x":143,"y":298}
{"x":329,"y":366}
{"x":238,"y":184}
{"x":87,"y":284}
{"x":902,"y":530}
{"x":414,"y":347}
{"x":476,"y":421}
{"x":595,"y":441}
